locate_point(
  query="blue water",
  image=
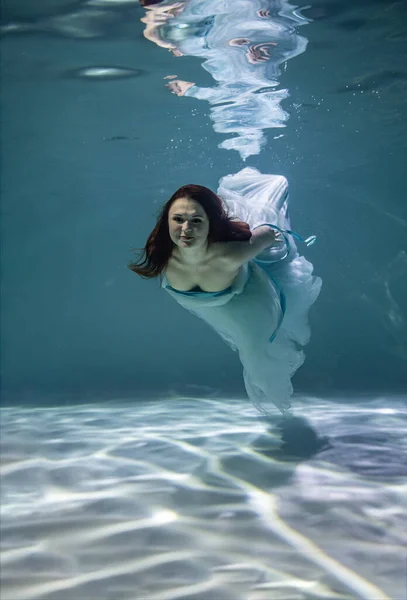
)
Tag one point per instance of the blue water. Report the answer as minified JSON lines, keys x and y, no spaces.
{"x":133,"y":465}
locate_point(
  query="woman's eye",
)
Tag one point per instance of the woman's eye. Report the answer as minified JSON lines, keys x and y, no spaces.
{"x":195,"y":221}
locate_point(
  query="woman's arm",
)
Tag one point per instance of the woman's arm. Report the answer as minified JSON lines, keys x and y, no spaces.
{"x":241,"y":252}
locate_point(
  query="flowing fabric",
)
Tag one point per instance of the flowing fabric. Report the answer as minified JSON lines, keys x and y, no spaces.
{"x":264,"y":313}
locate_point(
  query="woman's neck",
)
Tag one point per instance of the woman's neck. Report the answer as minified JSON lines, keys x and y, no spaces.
{"x":192,"y":256}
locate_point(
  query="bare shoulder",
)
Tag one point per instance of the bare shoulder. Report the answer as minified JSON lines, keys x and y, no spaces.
{"x":238,"y":253}
{"x":219,"y":250}
{"x":223,"y":254}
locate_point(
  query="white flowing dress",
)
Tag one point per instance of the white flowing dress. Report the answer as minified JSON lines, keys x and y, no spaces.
{"x":264,"y":313}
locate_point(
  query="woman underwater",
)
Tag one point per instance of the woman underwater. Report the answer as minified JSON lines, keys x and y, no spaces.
{"x":233,"y":262}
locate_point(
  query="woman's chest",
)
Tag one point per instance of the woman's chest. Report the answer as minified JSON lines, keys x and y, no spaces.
{"x":208,"y":278}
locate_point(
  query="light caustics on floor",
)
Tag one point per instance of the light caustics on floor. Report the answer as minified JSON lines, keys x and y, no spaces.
{"x":188,"y":498}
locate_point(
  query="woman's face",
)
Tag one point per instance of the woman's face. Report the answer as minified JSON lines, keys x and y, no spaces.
{"x":188,"y":223}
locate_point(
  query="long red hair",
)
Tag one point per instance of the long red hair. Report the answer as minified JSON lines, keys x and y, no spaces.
{"x":153,"y":258}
